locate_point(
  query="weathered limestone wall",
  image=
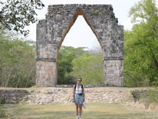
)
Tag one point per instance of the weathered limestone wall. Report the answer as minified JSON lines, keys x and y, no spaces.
{"x":109,"y":95}
{"x":47,"y":71}
{"x":63,"y":95}
{"x":52,"y":31}
{"x":113,"y":72}
{"x":12,"y":96}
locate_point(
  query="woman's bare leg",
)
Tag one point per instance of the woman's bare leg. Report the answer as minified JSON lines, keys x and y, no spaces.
{"x":80,"y":109}
{"x":77,"y":106}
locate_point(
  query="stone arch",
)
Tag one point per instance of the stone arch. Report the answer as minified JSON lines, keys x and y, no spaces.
{"x":78,"y":12}
{"x":52,"y":31}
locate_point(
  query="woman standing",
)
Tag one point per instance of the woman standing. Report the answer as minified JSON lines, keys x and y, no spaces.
{"x":78,"y":97}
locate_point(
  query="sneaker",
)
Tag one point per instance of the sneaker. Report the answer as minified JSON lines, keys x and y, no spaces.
{"x":77,"y":117}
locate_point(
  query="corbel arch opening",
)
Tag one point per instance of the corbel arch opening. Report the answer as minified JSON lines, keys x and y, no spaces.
{"x":77,"y":13}
{"x":93,"y":53}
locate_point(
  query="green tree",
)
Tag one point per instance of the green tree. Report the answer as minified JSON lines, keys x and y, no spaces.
{"x":141,"y":45}
{"x":17,"y":62}
{"x":66,"y":55}
{"x":16,"y":14}
{"x":89,"y":67}
{"x":77,"y":62}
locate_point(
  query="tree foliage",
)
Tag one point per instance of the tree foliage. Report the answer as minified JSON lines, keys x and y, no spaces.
{"x":89,"y":67}
{"x":16,"y":14}
{"x":141,"y":45}
{"x":77,"y":62}
{"x":17,"y":62}
{"x":66,"y":56}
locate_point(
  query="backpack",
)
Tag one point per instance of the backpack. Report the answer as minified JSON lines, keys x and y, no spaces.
{"x":81,"y":87}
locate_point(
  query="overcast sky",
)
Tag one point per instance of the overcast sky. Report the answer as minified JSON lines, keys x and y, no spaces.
{"x":80,"y":34}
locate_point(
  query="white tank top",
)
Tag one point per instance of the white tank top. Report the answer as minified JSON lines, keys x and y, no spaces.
{"x":78,"y":89}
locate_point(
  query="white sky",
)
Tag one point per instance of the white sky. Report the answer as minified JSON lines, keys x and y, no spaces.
{"x":80,"y":34}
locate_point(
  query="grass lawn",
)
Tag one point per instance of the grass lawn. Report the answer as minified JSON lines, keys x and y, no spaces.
{"x":67,"y":111}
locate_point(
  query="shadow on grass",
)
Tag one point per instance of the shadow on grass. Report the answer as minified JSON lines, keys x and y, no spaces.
{"x":90,"y":115}
{"x":94,"y":115}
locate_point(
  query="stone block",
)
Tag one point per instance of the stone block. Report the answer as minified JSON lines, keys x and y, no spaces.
{"x":46,"y":73}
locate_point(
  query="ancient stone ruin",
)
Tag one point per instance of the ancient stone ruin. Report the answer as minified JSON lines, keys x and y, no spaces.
{"x":52,"y":31}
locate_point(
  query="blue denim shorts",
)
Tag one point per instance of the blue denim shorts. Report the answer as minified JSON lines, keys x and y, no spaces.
{"x":78,"y":99}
